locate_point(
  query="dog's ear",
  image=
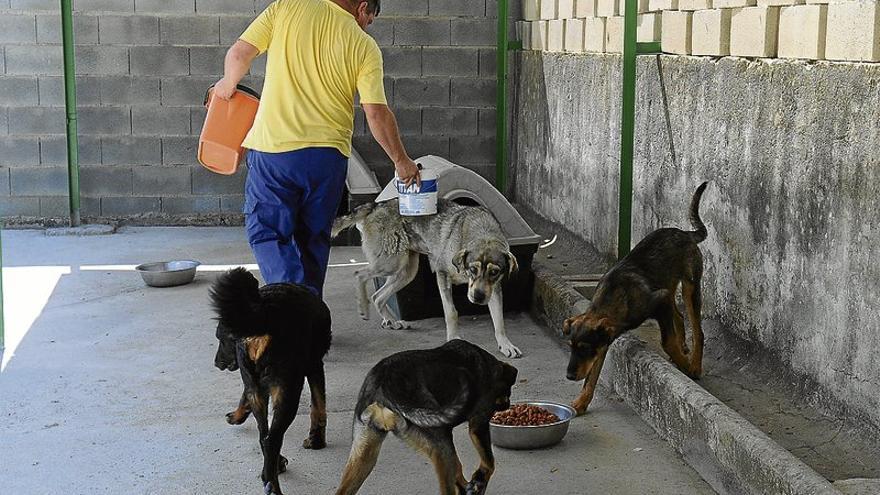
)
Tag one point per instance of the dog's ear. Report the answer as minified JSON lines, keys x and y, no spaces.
{"x":608,"y":327}
{"x":460,"y":259}
{"x":566,"y":326}
{"x":512,"y":265}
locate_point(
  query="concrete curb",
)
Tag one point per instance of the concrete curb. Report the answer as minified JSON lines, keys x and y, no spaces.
{"x":731,"y":454}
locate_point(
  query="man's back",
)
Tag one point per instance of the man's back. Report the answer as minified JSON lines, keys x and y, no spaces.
{"x":318,"y":57}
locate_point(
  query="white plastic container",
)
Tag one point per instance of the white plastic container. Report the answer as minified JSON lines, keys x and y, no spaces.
{"x":418,"y":200}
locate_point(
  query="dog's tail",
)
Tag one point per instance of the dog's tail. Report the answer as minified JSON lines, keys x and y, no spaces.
{"x":346,"y":221}
{"x":235,"y":297}
{"x":701,"y":233}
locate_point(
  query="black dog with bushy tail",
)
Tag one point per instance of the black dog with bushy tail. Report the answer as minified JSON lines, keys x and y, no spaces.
{"x":277,"y":336}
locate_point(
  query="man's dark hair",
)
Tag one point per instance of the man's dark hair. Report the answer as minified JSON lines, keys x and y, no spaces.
{"x":374,"y":5}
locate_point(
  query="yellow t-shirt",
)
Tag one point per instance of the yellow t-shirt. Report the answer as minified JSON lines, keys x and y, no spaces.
{"x":318,"y":57}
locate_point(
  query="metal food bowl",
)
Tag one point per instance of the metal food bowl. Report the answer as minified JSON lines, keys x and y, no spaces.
{"x":168,"y":273}
{"x":534,"y":437}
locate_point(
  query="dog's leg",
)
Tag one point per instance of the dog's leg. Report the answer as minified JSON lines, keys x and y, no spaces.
{"x":365,"y":446}
{"x":586,"y":396}
{"x":449,"y":311}
{"x":284,"y":409}
{"x":436,"y":443}
{"x":259,"y":405}
{"x":241,"y":413}
{"x":362,"y":278}
{"x":393,"y":284}
{"x":680,"y":332}
{"x":670,"y":335}
{"x":317,"y":438}
{"x":479,"y":433}
{"x":693,"y":301}
{"x":496,"y":309}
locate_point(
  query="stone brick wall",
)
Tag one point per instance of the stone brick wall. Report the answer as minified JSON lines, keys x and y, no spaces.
{"x":142,"y":69}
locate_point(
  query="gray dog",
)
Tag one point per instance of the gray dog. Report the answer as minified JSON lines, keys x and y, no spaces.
{"x":464,"y":244}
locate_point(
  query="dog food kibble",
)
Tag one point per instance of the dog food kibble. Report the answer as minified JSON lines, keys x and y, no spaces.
{"x":524,"y":415}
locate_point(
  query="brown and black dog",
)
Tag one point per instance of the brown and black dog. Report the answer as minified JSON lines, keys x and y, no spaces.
{"x":641,"y":286}
{"x":420,"y":396}
{"x":277,"y":335}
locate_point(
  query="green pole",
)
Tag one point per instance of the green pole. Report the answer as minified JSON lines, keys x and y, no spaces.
{"x":70,"y":104}
{"x":627,"y":130}
{"x":501,"y":153}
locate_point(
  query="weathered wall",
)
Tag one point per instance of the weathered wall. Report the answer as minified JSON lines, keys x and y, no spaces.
{"x":142,"y":69}
{"x":792,"y":207}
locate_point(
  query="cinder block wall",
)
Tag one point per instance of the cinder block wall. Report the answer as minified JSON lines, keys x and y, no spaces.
{"x":142,"y":68}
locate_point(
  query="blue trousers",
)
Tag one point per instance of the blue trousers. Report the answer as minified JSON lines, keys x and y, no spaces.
{"x":291,"y":200}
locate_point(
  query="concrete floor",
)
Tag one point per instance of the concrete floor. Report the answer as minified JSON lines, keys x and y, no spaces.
{"x":108,"y":386}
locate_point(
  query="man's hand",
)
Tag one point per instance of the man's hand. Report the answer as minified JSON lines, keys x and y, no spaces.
{"x":224,"y":89}
{"x":408,"y":172}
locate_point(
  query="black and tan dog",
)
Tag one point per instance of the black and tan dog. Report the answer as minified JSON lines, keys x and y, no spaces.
{"x":420,"y":396}
{"x":278,"y":336}
{"x":641,"y":286}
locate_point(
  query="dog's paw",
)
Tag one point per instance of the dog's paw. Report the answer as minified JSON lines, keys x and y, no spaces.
{"x":579,"y":408}
{"x":475,"y":488}
{"x":314,"y":442}
{"x":282,"y":464}
{"x":270,"y":489}
{"x":237,"y":417}
{"x":509,"y":350}
{"x":395,"y":325}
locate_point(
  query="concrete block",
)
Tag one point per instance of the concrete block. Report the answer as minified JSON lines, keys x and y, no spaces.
{"x":160,"y":121}
{"x":711,"y":32}
{"x":190,"y":205}
{"x":402,"y":61}
{"x":105,"y":181}
{"x":753,"y":32}
{"x":18,"y":29}
{"x":585,"y":8}
{"x":36,"y":120}
{"x":129,"y":91}
{"x":104,"y":5}
{"x":853,"y":32}
{"x":779,"y":3}
{"x":34,"y":5}
{"x":648,"y":27}
{"x":548,"y":9}
{"x":488,"y":62}
{"x":427,"y":32}
{"x":19,"y":207}
{"x":158,"y":180}
{"x":198,"y":114}
{"x":661,"y":5}
{"x":104,"y":120}
{"x":124,"y":30}
{"x":409,"y":120}
{"x":38,"y":181}
{"x":473,"y":92}
{"x":574,"y":35}
{"x":594,"y":34}
{"x":457,"y":8}
{"x":539,"y":35}
{"x":131,"y":150}
{"x":166,"y":6}
{"x":4,"y":182}
{"x":180,"y":150}
{"x":423,"y":91}
{"x":383,"y":30}
{"x":608,"y":8}
{"x":524,"y":34}
{"x":85,"y":29}
{"x":53,"y":150}
{"x":398,"y":7}
{"x":4,"y":121}
{"x":450,"y":121}
{"x":186,"y":91}
{"x":474,"y":32}
{"x":488,"y":122}
{"x":51,"y":90}
{"x":727,"y":4}
{"x":232,"y":203}
{"x":102,"y":60}
{"x":691,"y":5}
{"x":18,"y":151}
{"x":531,"y":10}
{"x":565,"y":9}
{"x":189,"y":30}
{"x":438,"y":61}
{"x":614,"y":34}
{"x":159,"y":61}
{"x":471,"y":149}
{"x":802,"y":30}
{"x":206,"y":182}
{"x":556,"y":35}
{"x":208,"y":60}
{"x":129,"y":206}
{"x":231,"y":27}
{"x":18,"y":91}
{"x":55,"y":207}
{"x":34,"y":60}
{"x":225,"y":6}
{"x":676,"y":36}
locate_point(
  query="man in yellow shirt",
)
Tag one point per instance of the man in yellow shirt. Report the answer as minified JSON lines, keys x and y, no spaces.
{"x":319,"y":55}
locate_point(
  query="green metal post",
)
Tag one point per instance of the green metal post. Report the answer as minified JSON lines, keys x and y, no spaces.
{"x":501,"y":100}
{"x":627,"y":130}
{"x":70,"y":103}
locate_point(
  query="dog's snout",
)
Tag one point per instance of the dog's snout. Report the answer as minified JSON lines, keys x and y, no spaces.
{"x":571,"y":376}
{"x":479,"y":296}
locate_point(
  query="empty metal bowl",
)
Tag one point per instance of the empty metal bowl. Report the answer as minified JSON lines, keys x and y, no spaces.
{"x":168,"y":273}
{"x":534,"y":437}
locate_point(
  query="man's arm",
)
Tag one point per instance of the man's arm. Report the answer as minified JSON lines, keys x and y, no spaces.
{"x":236,"y":66}
{"x":383,"y":125}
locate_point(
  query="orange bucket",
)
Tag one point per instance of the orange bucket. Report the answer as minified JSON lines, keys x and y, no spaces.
{"x":226,"y":125}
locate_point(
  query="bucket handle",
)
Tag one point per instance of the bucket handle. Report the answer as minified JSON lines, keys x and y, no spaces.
{"x":240,"y":87}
